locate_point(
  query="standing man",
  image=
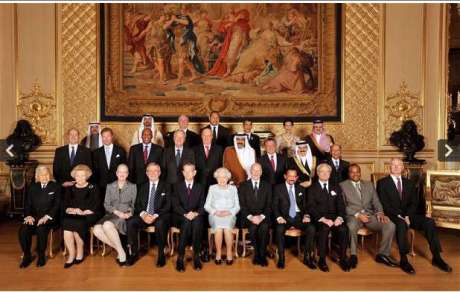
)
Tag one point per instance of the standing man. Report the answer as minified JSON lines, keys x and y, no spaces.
{"x":152,"y":208}
{"x":147,"y":122}
{"x":93,"y":140}
{"x":141,"y":155}
{"x":327,"y":208}
{"x":254,"y":140}
{"x":255,"y":198}
{"x":400,"y":200}
{"x":363,"y":208}
{"x":273,"y":164}
{"x":239,"y":158}
{"x":175,"y":156}
{"x":320,"y":142}
{"x":339,"y":166}
{"x":220,"y":134}
{"x":188,"y":212}
{"x":67,"y":156}
{"x":192,"y":139}
{"x":290,"y":211}
{"x":304,"y":162}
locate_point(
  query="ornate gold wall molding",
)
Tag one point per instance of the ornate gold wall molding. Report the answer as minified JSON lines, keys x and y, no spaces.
{"x":40,"y":110}
{"x":78,"y":44}
{"x":400,"y":106}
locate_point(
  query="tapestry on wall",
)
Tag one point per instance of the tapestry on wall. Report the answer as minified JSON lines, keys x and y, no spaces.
{"x":264,"y":61}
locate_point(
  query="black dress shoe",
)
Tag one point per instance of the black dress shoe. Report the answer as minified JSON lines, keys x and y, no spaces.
{"x":68,"y":265}
{"x":161,"y":261}
{"x":132,"y":260}
{"x":79,"y":261}
{"x":407,"y":267}
{"x":309,"y":262}
{"x":205,"y":256}
{"x":344,"y":265}
{"x":441,"y":264}
{"x":197,"y":264}
{"x":26,"y":261}
{"x":229,"y":262}
{"x":323,"y":266}
{"x":256,"y":260}
{"x":263,"y":262}
{"x":41,"y":261}
{"x":121,"y":264}
{"x":180,"y":266}
{"x":353,"y":261}
{"x":218,"y":261}
{"x":280,"y":264}
{"x":386,"y":260}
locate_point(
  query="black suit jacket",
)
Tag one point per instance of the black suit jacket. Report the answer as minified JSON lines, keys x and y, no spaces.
{"x":223,"y":136}
{"x":192,"y":139}
{"x":62,"y":166}
{"x":281,"y":202}
{"x":102,"y":174}
{"x":173,"y":173}
{"x":391,"y":202}
{"x":314,"y":149}
{"x":182,"y":203}
{"x":136,"y":163}
{"x":329,"y":205}
{"x":162,"y":203}
{"x":338,"y":176}
{"x":41,"y":202}
{"x":205,"y":167}
{"x":252,"y":205}
{"x":268,"y":174}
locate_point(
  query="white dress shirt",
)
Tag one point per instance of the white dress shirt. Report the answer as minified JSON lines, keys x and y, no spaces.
{"x":108,"y":149}
{"x":75,"y":147}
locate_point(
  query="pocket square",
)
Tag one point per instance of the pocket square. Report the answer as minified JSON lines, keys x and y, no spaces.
{"x":162,"y":194}
{"x":300,"y":194}
{"x":118,"y":155}
{"x":333,"y":193}
{"x":51,"y":193}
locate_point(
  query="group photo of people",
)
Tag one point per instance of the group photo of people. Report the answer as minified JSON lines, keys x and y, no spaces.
{"x":214,"y":186}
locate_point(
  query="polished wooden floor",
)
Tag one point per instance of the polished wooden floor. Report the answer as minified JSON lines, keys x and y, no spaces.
{"x":101,"y":273}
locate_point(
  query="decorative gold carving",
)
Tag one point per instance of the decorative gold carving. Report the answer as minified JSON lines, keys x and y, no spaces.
{"x":40,"y":110}
{"x":79,"y":64}
{"x":400,"y":106}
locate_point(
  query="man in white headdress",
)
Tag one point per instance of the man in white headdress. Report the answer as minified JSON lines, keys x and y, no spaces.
{"x":304,"y":162}
{"x":239,"y":158}
{"x":148,"y":122}
{"x":93,"y":139}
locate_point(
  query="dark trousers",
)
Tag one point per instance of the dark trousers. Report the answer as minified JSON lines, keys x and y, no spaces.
{"x":323,"y":236}
{"x":135,"y":224}
{"x":25,"y":238}
{"x":421,"y":223}
{"x":308,"y":230}
{"x":258,"y":235}
{"x":189,"y":230}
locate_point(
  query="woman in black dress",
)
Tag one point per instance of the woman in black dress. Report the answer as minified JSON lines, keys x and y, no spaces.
{"x":81,"y":208}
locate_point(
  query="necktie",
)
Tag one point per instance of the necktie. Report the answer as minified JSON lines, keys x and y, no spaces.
{"x":214,"y":132}
{"x":206,"y":151}
{"x":72,"y":155}
{"x":108,"y":156}
{"x":337,"y":165}
{"x":189,"y":190}
{"x":146,"y":153}
{"x":177,"y":157}
{"x":151,"y":208}
{"x":325,"y":188}
{"x":292,"y":203}
{"x":256,"y":189}
{"x":399,"y":187}
{"x":358,"y":188}
{"x":272,"y":162}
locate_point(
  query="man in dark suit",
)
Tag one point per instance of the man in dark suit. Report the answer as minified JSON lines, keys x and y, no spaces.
{"x":289,"y":210}
{"x":106,"y":160}
{"x":339,"y":166}
{"x":175,"y":156}
{"x":152,"y":208}
{"x":41,"y":212}
{"x":273,"y":164}
{"x":319,"y":140}
{"x":192,"y":139}
{"x":304,"y":162}
{"x":255,"y":198}
{"x":208,"y":158}
{"x":68,"y":156}
{"x":254,"y":140}
{"x":327,"y":208}
{"x":220,"y":134}
{"x":141,"y":155}
{"x":400,"y":201}
{"x":188,"y":207}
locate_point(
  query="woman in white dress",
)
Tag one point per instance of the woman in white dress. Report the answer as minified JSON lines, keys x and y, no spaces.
{"x":222,"y":204}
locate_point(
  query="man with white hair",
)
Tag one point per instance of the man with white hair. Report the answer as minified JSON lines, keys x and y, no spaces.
{"x":304,"y":162}
{"x":40,"y":213}
{"x":192,"y":139}
{"x":400,"y":201}
{"x":326,"y":206}
{"x":148,"y":122}
{"x":239,"y":158}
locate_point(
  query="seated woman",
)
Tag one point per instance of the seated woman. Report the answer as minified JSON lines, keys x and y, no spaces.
{"x":41,"y":212}
{"x":81,"y":205}
{"x":222,"y":204}
{"x":119,"y":205}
